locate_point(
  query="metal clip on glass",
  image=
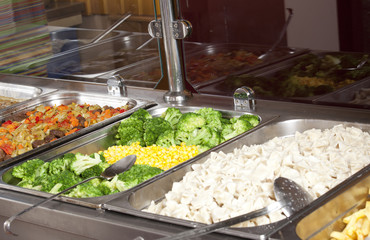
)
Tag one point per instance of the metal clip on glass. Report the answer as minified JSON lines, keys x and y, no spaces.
{"x":244,"y":99}
{"x":116,"y":86}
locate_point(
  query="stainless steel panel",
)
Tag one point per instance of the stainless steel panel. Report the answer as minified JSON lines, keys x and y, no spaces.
{"x":222,"y":71}
{"x":21,"y":92}
{"x":138,"y":198}
{"x":66,"y":98}
{"x":95,"y":141}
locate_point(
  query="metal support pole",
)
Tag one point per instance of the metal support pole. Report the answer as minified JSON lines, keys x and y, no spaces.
{"x":174,"y":56}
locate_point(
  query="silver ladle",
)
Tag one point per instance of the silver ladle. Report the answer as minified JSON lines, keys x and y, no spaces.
{"x":281,"y":35}
{"x":290,"y":198}
{"x":118,"y":167}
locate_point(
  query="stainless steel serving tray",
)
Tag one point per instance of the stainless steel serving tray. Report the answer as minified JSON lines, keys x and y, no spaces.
{"x":63,"y":97}
{"x":229,"y":85}
{"x":95,"y":141}
{"x":278,"y":55}
{"x":325,"y":215}
{"x":345,"y":97}
{"x":138,"y":198}
{"x":21,"y":92}
{"x":92,"y":60}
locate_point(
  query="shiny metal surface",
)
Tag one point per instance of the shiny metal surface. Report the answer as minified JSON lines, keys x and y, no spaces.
{"x":63,"y":220}
{"x":346,"y":97}
{"x":326,"y":213}
{"x":93,"y":60}
{"x":174,"y":56}
{"x":138,"y":198}
{"x":21,"y":92}
{"x":63,"y":97}
{"x":96,"y":141}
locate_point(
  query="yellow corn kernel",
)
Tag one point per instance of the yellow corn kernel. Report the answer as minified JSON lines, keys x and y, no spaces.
{"x":155,"y":156}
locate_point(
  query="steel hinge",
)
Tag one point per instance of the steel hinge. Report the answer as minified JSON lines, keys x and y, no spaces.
{"x":180,"y":29}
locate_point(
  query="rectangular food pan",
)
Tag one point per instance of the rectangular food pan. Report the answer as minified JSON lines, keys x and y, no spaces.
{"x":63,"y":97}
{"x":98,"y":140}
{"x":137,"y":199}
{"x":357,"y":96}
{"x":96,"y":59}
{"x":216,"y":61}
{"x":11,"y":94}
{"x":326,"y":214}
{"x":274,"y":82}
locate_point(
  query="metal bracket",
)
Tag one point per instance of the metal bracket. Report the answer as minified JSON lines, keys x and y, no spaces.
{"x":180,"y":29}
{"x":155,"y":29}
{"x":116,"y":86}
{"x":244,"y":98}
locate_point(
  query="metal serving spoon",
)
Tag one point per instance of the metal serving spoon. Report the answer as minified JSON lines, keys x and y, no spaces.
{"x":290,"y":198}
{"x":118,"y":167}
{"x":360,"y":65}
{"x":282,"y":33}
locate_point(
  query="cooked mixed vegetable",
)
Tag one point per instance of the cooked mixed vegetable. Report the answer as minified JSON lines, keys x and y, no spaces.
{"x":44,"y":124}
{"x":61,"y":173}
{"x":311,"y":75}
{"x":159,"y":143}
{"x":204,"y":128}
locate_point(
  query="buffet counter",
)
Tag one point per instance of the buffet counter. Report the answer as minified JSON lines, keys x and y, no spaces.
{"x":63,"y":220}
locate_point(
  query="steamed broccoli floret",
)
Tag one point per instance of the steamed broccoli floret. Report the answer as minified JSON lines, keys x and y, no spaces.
{"x":166,"y":139}
{"x":213,"y":140}
{"x":153,"y":128}
{"x":141,"y":114}
{"x":59,"y":165}
{"x":130,"y":130}
{"x":84,"y":162}
{"x":190,"y":121}
{"x":172,"y":115}
{"x":27,"y":169}
{"x":213,"y":117}
{"x":85,"y":190}
{"x":252,"y":119}
{"x":48,"y":182}
{"x":42,"y":170}
{"x":93,"y":171}
{"x":108,"y":187}
{"x":238,"y":126}
{"x":138,"y":173}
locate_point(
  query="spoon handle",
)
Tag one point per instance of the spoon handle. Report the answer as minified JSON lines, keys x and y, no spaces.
{"x":11,"y":219}
{"x":226,"y":223}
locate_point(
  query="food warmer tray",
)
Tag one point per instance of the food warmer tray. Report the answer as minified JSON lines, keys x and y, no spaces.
{"x":280,"y":54}
{"x":146,"y":73}
{"x":64,"y":97}
{"x":346,"y":97}
{"x":21,"y":93}
{"x":325,"y":215}
{"x":138,"y":198}
{"x":92,"y":60}
{"x":229,"y":85}
{"x":95,"y":141}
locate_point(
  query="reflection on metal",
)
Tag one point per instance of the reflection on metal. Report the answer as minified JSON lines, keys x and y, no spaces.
{"x":116,"y":86}
{"x":244,"y":99}
{"x":155,"y":29}
{"x":174,"y":56}
{"x":181,"y":29}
